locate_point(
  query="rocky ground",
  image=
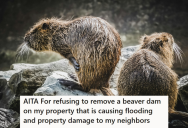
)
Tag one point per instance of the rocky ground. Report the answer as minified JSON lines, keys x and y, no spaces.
{"x":41,"y":80}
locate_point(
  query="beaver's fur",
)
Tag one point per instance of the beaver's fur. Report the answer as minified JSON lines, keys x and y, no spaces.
{"x":91,"y":44}
{"x":148,"y":71}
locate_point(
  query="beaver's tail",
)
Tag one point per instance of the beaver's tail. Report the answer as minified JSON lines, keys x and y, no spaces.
{"x":106,"y":91}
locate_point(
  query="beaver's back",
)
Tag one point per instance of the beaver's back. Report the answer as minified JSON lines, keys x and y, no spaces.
{"x":145,"y":74}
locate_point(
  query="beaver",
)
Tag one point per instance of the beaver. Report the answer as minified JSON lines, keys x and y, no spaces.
{"x":148,"y":71}
{"x":91,"y":45}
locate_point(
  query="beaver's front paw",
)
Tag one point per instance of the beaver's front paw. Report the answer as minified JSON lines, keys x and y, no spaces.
{"x":76,"y":66}
{"x":75,"y":63}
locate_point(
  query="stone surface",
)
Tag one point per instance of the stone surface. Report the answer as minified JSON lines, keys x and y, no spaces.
{"x":28,"y":80}
{"x":6,"y":95}
{"x":52,"y":86}
{"x":183,"y":91}
{"x":178,"y":124}
{"x":35,"y":75}
{"x":9,"y":118}
{"x":24,"y":79}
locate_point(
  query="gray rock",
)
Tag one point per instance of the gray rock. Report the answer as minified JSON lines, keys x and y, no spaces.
{"x":9,"y":118}
{"x":127,"y":52}
{"x":183,"y":81}
{"x":8,"y":74}
{"x":29,"y":79}
{"x":6,"y":95}
{"x":183,"y":90}
{"x":52,"y":87}
{"x":178,"y":124}
{"x":24,"y":79}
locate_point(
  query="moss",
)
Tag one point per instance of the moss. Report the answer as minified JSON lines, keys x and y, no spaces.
{"x":24,"y":89}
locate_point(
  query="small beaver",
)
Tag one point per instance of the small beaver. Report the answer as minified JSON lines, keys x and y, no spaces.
{"x":91,"y":45}
{"x":148,"y":71}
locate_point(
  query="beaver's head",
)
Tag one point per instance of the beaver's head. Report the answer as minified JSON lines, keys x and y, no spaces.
{"x":163,"y":44}
{"x":40,"y":36}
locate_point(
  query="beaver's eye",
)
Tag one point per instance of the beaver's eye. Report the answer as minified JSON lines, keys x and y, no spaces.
{"x":145,"y":38}
{"x":45,"y":26}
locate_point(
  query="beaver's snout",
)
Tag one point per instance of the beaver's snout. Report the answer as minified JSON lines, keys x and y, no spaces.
{"x":27,"y":38}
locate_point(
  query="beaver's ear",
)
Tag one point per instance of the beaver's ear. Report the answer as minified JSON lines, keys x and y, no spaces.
{"x":45,"y":26}
{"x":143,"y":39}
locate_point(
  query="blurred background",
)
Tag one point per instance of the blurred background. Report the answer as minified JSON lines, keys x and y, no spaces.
{"x":132,"y":19}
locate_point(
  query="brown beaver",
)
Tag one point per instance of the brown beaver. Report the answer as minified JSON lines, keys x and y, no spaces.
{"x":148,"y":71}
{"x":91,"y":44}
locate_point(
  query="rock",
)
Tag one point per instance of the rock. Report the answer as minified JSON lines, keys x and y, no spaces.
{"x":126,"y":52}
{"x":9,"y":118}
{"x":183,"y":91}
{"x":24,"y":79}
{"x":33,"y":76}
{"x":52,"y":86}
{"x":183,"y":81}
{"x":6,"y":95}
{"x":8,"y":74}
{"x":178,"y":124}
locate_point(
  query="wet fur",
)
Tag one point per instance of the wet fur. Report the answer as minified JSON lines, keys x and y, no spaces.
{"x":148,"y":71}
{"x":94,"y":43}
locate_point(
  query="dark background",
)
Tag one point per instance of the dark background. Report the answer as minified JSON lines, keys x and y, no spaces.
{"x":132,"y":19}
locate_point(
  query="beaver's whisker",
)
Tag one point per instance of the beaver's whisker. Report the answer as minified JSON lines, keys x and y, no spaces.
{"x":21,"y":51}
{"x":178,"y":52}
{"x":27,"y":54}
{"x":17,"y":56}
